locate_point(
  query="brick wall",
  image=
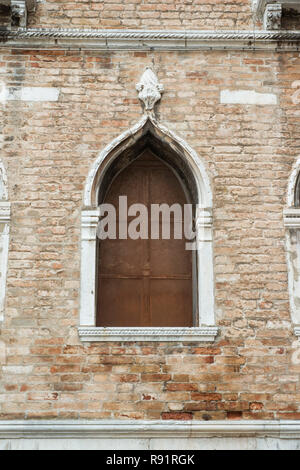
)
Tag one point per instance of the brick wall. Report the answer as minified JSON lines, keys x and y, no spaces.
{"x":154,"y":14}
{"x":48,"y":147}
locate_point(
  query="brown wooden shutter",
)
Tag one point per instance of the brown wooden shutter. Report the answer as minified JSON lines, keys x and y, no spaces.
{"x":145,"y":282}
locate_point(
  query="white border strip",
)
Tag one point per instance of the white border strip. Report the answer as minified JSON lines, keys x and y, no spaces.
{"x":147,"y":334}
{"x":44,"y":429}
{"x":50,"y":38}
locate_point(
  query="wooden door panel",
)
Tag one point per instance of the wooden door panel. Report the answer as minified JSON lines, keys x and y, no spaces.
{"x":121,"y":257}
{"x":170,"y":302}
{"x":128,"y":183}
{"x":121,"y":302}
{"x":145,"y":282}
{"x":165,"y":187}
{"x":176,"y":260}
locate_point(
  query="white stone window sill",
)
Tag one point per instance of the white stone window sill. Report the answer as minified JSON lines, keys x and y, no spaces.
{"x":147,"y":334}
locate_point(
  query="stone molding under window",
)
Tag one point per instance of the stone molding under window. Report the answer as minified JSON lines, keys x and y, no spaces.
{"x":291,"y":217}
{"x":148,"y":334}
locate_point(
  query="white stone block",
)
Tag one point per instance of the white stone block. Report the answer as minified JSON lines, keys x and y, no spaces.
{"x":247,"y":97}
{"x":29,"y":94}
{"x":39,"y":94}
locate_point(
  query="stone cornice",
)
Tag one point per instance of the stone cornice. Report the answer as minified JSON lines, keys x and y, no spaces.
{"x":45,"y":429}
{"x":149,"y":40}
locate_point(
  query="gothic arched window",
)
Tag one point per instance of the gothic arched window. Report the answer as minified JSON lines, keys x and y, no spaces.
{"x":149,"y":290}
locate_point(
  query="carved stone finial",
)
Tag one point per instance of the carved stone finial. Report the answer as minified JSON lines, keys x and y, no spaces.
{"x":149,"y":89}
{"x":272,"y":17}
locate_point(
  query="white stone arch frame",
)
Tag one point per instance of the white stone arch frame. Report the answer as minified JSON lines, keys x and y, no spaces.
{"x":292,"y":183}
{"x":4,"y":236}
{"x":207,"y":330}
{"x":291,"y":215}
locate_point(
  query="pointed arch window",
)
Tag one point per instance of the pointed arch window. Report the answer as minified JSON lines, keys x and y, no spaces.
{"x":147,"y":300}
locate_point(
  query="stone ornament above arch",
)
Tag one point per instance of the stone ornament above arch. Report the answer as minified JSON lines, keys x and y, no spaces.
{"x":291,"y":217}
{"x":150,"y":93}
{"x":149,"y":89}
{"x":4,"y":236}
